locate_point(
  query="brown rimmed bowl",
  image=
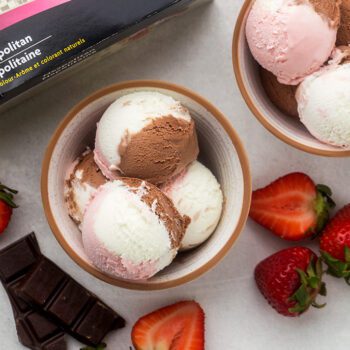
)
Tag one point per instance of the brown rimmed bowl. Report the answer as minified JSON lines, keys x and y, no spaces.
{"x":288,"y":129}
{"x":221,"y":150}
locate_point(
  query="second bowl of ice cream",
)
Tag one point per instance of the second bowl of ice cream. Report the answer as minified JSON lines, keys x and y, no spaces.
{"x":277,"y":45}
{"x":146,"y":185}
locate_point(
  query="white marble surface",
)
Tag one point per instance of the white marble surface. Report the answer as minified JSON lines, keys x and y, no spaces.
{"x":195,"y":51}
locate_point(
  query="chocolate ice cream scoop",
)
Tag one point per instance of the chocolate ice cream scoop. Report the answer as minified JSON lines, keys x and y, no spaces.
{"x":82,"y":184}
{"x":145,"y":135}
{"x":282,"y":96}
{"x":162,"y":148}
{"x":343,"y":37}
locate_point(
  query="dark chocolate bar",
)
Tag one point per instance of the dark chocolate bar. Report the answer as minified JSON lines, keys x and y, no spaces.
{"x":34,"y":330}
{"x":76,"y":310}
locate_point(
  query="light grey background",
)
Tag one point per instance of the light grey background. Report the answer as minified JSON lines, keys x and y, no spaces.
{"x":194,"y":51}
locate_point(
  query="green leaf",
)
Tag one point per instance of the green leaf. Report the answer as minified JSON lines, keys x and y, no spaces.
{"x":314,"y":282}
{"x":347,"y":254}
{"x":5,"y":188}
{"x":302,"y":275}
{"x":323,"y":204}
{"x":324,"y":189}
{"x":297,"y":309}
{"x":8,"y":199}
{"x":327,"y":258}
{"x":301,"y":296}
{"x":327,"y":194}
{"x":310,"y":269}
{"x":336,"y":268}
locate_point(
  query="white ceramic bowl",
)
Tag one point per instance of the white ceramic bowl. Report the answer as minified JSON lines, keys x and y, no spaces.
{"x":221,"y":150}
{"x":289,"y":130}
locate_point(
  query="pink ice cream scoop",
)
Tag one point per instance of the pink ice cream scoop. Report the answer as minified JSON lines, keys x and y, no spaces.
{"x":131,"y":230}
{"x":292,"y":38}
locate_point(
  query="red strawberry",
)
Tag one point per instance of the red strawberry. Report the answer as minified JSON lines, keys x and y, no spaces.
{"x":335,"y":244}
{"x":292,"y":207}
{"x":6,"y":206}
{"x":175,"y":327}
{"x":290,"y":280}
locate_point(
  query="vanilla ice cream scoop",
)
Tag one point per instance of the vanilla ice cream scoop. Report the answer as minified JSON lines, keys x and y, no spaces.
{"x":131,"y":230}
{"x":82,"y":184}
{"x":292,"y":38}
{"x":197,"y":194}
{"x":145,"y":135}
{"x":324,"y":102}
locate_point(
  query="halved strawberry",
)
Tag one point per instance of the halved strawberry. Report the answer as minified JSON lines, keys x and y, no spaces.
{"x":175,"y":327}
{"x":6,"y":206}
{"x":292,"y":207}
{"x":335,"y":245}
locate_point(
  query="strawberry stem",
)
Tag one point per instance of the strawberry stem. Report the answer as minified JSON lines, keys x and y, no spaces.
{"x":8,"y":200}
{"x":323,"y":205}
{"x":3,"y":187}
{"x":6,"y":195}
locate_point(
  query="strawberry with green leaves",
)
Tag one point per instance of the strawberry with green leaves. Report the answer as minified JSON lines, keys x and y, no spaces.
{"x":6,"y":206}
{"x":335,"y":245}
{"x":292,"y":207}
{"x":175,"y":327}
{"x":290,"y":280}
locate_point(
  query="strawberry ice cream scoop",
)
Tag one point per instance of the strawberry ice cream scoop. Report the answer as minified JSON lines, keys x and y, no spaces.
{"x":197,"y":194}
{"x":145,"y":135}
{"x":323,"y":101}
{"x":131,"y":230}
{"x":292,"y":38}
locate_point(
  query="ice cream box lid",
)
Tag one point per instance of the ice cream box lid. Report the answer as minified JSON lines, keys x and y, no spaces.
{"x":39,"y":39}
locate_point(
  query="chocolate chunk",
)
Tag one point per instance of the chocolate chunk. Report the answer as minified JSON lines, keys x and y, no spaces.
{"x":96,"y":323}
{"x":44,"y":282}
{"x":76,"y":310}
{"x":34,"y":331}
{"x":17,"y":258}
{"x":42,"y":328}
{"x":46,"y":301}
{"x":70,"y":302}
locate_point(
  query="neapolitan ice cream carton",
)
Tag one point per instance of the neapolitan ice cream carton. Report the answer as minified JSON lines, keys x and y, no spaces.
{"x":39,"y":39}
